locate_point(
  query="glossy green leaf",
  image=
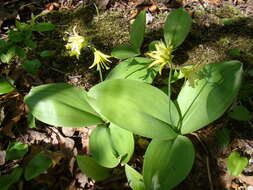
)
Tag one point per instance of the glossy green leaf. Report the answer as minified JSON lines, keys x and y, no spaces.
{"x":236,"y":163}
{"x":101,"y":148}
{"x":124,"y":52}
{"x":134,"y":178}
{"x":91,"y":168}
{"x":167,"y":163}
{"x":122,"y":142}
{"x":211,"y":96}
{"x":5,"y":86}
{"x":134,"y":68}
{"x":151,"y":46}
{"x":135,"y":106}
{"x":177,"y":26}
{"x":61,"y":104}
{"x":16,"y":150}
{"x":42,"y":27}
{"x":32,"y":66}
{"x":138,"y":30}
{"x":111,"y":145}
{"x":36,"y":166}
{"x":240,"y":113}
{"x":7,"y":180}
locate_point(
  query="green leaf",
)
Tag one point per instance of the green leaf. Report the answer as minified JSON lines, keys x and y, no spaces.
{"x":20,"y":51}
{"x":240,"y":113}
{"x":124,"y":52}
{"x":211,"y":96}
{"x":15,"y":36}
{"x":36,"y":166}
{"x":42,"y":27}
{"x":6,"y":58}
{"x":135,"y":106}
{"x":176,"y":28}
{"x":111,"y":145}
{"x":21,"y":26}
{"x":7,"y":180}
{"x":31,"y":66}
{"x":16,"y":150}
{"x":5,"y":86}
{"x":134,"y":68}
{"x":138,"y":31}
{"x":31,"y":121}
{"x":46,"y":53}
{"x":234,"y":52}
{"x":31,"y":44}
{"x":3,"y":45}
{"x":91,"y":168}
{"x":101,"y":148}
{"x":223,"y":137}
{"x":122,"y":142}
{"x":61,"y":104}
{"x":134,"y":178}
{"x":236,"y":164}
{"x":167,"y":163}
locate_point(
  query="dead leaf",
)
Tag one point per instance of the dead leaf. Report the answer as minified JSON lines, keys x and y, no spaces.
{"x":82,"y":179}
{"x":246,"y":179}
{"x":101,"y":4}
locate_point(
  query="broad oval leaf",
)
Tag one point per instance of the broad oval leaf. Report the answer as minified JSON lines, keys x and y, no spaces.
{"x":138,"y":30}
{"x":177,"y":27}
{"x":211,"y":96}
{"x":111,"y":145}
{"x":124,"y":52}
{"x":91,"y":168}
{"x":7,"y":180}
{"x":61,"y":104}
{"x":134,"y":178}
{"x":5,"y":86}
{"x":101,"y":147}
{"x":135,"y":69}
{"x":36,"y":166}
{"x":167,"y":163}
{"x":135,"y":106}
{"x":42,"y":27}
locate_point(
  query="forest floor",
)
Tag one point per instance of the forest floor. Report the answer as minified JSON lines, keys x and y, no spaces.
{"x":218,"y":27}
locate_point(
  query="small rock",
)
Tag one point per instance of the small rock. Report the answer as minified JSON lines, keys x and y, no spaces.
{"x":68,"y":132}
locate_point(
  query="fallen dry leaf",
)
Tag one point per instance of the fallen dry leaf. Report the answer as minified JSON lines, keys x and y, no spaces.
{"x":246,"y":179}
{"x":2,"y":157}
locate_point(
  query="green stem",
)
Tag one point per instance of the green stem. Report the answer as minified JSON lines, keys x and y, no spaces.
{"x":100,"y":75}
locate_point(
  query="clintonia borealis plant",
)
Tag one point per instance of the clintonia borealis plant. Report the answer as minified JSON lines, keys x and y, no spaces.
{"x":125,"y":104}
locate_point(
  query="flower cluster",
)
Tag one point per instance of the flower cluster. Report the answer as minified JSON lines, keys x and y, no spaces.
{"x":101,"y":60}
{"x":162,"y":55}
{"x":75,"y":43}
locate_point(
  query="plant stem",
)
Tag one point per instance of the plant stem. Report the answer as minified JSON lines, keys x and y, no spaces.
{"x":169,"y":91}
{"x":100,"y":75}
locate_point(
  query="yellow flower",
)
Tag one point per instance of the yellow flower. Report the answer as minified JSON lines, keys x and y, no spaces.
{"x":101,"y":60}
{"x":75,"y":43}
{"x":162,"y":55}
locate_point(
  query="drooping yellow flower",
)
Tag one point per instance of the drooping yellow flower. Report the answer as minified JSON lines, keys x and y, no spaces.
{"x":101,"y":60}
{"x":162,"y":55}
{"x":75,"y":43}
